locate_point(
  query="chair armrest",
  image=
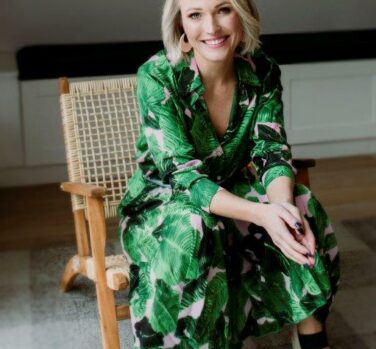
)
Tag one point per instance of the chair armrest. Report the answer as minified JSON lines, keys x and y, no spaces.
{"x":303,"y":163}
{"x":83,"y":189}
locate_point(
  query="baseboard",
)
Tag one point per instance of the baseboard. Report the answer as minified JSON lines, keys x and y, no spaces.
{"x":22,"y":176}
{"x":334,"y":149}
{"x":58,"y":173}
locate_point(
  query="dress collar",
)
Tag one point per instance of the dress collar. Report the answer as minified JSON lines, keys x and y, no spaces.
{"x":189,"y":80}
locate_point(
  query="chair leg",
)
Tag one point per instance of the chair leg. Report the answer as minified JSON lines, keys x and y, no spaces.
{"x":72,"y":268}
{"x":70,"y":272}
{"x":105,"y":296}
{"x":82,"y":239}
{"x":107,"y":317}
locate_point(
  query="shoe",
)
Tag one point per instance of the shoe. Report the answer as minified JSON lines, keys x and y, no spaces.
{"x":317,"y":340}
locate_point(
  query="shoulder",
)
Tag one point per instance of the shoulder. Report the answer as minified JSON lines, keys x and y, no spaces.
{"x":157,"y":68}
{"x":156,"y":79}
{"x":267,"y":68}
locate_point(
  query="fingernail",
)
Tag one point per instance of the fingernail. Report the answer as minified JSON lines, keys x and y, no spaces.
{"x":298,"y":225}
{"x":306,"y":265}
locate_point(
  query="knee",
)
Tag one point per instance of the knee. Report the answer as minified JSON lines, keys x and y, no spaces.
{"x":183,"y":242}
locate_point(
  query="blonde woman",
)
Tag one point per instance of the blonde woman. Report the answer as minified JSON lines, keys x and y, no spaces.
{"x":217,"y":254}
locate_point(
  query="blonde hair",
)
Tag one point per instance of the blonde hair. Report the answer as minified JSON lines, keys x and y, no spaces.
{"x":172,"y":28}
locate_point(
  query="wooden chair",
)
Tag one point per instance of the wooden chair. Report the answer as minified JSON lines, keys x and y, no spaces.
{"x":101,"y":125}
{"x":100,"y":122}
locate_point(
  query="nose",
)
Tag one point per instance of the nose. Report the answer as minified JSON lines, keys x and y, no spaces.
{"x":211,"y":25}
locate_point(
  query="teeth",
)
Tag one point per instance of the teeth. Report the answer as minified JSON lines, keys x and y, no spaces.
{"x":215,"y":42}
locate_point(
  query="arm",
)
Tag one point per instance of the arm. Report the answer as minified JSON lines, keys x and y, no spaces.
{"x":162,"y":122}
{"x":271,"y":153}
{"x":274,"y":218}
{"x":272,"y":158}
{"x":281,"y":190}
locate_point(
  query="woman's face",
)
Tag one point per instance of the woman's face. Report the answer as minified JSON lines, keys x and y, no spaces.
{"x":213,"y":28}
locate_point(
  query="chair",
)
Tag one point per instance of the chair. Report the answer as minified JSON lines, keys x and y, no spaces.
{"x":100,"y":122}
{"x":101,"y":125}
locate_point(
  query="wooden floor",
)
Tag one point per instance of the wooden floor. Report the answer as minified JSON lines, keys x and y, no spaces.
{"x":40,"y":216}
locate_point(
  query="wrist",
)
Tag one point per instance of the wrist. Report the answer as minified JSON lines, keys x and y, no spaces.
{"x":256,"y":213}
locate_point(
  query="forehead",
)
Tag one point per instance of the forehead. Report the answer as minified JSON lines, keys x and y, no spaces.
{"x":186,"y":5}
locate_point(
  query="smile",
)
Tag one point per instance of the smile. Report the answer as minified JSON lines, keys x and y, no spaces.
{"x":216,"y":43}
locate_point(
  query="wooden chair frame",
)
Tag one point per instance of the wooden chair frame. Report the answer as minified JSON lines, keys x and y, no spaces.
{"x":91,"y":243}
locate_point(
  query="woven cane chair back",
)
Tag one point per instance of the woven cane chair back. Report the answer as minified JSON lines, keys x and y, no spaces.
{"x":101,"y":126}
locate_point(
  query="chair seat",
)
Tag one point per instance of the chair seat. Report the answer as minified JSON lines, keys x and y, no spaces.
{"x":117,"y":271}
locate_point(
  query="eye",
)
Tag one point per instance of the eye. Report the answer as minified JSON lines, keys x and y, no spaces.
{"x":194,"y":15}
{"x":225,"y":10}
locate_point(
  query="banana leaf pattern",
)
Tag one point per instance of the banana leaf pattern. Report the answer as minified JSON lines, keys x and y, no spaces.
{"x":199,"y":280}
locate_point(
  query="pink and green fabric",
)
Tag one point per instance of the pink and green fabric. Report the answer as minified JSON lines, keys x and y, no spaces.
{"x":199,"y":280}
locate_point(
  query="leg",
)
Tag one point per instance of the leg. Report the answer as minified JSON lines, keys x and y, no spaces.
{"x":316,"y":340}
{"x":178,"y":288}
{"x":309,"y":326}
{"x":326,"y":245}
{"x":274,"y":290}
{"x":312,"y":329}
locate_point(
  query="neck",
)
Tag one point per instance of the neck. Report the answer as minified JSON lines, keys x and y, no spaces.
{"x":216,"y":74}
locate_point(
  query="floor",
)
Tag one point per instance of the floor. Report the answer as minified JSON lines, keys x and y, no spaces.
{"x":40,"y":216}
{"x":37,"y":220}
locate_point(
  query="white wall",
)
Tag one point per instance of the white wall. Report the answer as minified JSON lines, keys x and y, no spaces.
{"x":26,"y":22}
{"x":281,"y":16}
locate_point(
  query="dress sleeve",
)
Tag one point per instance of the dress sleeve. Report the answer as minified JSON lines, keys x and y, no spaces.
{"x":166,"y":135}
{"x":271,"y":154}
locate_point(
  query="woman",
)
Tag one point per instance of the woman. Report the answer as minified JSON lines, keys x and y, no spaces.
{"x":217,"y":254}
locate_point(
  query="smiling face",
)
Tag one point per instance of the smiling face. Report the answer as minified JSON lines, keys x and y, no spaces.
{"x":213,"y":28}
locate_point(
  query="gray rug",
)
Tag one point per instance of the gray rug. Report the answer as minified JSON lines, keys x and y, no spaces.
{"x":35,"y":314}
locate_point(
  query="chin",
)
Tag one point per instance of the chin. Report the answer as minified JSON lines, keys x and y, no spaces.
{"x":215,"y":56}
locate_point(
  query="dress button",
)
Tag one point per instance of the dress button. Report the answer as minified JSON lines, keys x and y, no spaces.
{"x":219,"y":178}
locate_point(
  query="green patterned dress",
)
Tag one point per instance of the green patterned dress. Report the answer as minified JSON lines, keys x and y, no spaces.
{"x":199,"y":280}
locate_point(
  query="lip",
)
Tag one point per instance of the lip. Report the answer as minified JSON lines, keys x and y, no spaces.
{"x":216,"y":38}
{"x":216,"y":46}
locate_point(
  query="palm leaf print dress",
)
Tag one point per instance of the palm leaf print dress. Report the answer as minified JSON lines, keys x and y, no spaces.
{"x":199,"y":280}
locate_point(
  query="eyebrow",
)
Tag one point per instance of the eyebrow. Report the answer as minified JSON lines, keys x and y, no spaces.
{"x":222,"y":3}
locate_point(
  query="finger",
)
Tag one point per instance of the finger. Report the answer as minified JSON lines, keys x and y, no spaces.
{"x":307,"y":239}
{"x":286,"y":237}
{"x":295,"y":256}
{"x":291,"y":220}
{"x":289,"y":256}
{"x":298,"y":225}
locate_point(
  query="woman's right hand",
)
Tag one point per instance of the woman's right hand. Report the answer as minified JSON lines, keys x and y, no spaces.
{"x":276,"y":220}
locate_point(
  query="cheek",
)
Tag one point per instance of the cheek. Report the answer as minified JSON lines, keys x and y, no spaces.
{"x":235,"y":24}
{"x":192,"y":31}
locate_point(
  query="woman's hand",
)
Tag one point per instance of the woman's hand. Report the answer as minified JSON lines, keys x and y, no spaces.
{"x":278,"y":219}
{"x":304,"y":235}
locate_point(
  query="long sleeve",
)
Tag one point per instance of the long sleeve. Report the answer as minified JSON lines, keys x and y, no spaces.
{"x":162,"y":122}
{"x":271,"y":154}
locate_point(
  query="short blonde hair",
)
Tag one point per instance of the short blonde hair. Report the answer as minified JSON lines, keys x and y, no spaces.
{"x":172,"y":28}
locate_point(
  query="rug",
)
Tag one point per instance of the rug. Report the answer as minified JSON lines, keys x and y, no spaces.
{"x":36,"y":314}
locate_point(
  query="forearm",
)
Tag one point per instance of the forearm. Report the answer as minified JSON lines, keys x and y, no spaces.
{"x":229,"y":205}
{"x":281,"y":189}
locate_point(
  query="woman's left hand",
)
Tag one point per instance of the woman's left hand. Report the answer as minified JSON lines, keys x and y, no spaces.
{"x":307,"y":239}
